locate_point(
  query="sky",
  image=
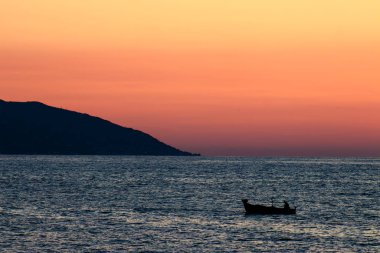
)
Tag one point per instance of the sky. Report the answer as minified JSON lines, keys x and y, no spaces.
{"x":216,"y":77}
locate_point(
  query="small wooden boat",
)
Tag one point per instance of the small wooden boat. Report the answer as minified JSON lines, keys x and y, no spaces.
{"x":260,"y":209}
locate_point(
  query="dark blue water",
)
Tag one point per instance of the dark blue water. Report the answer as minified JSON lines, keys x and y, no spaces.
{"x":190,"y":204}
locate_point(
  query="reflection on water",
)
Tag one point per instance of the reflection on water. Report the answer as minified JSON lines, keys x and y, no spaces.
{"x":83,"y":203}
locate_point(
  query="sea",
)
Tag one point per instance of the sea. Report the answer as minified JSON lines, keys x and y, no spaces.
{"x":187,"y":204}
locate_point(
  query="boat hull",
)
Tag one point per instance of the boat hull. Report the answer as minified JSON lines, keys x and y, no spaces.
{"x":259,"y":209}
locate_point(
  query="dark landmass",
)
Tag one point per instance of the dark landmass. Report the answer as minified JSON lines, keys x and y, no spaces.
{"x":35,"y":128}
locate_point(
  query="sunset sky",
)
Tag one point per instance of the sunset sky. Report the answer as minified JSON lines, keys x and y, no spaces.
{"x":242,"y":77}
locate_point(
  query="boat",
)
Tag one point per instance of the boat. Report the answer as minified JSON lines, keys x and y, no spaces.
{"x":260,"y":209}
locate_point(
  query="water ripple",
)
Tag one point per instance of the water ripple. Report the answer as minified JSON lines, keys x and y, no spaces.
{"x":191,"y":204}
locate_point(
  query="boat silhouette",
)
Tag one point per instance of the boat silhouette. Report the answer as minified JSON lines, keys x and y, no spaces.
{"x":260,"y":209}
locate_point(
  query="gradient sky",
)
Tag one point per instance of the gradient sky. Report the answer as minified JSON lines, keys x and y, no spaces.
{"x":242,"y":77}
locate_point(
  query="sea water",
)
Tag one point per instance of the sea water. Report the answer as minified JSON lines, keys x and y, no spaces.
{"x":187,"y":204}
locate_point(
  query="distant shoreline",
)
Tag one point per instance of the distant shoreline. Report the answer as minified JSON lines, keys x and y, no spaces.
{"x":33,"y":128}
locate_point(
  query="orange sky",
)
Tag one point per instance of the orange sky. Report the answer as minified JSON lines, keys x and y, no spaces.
{"x":218,"y":77}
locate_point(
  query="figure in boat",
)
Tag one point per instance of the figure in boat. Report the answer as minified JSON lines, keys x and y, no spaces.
{"x":286,"y":205}
{"x":261,"y":209}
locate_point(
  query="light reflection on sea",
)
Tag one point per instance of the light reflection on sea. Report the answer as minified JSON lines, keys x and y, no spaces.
{"x":191,"y":204}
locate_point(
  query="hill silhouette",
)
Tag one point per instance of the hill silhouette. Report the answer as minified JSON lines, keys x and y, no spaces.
{"x":36,"y":128}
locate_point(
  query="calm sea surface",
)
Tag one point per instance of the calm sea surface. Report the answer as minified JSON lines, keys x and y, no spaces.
{"x":188,"y":204}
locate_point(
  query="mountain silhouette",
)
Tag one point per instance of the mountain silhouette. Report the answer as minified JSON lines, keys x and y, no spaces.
{"x":36,"y":128}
